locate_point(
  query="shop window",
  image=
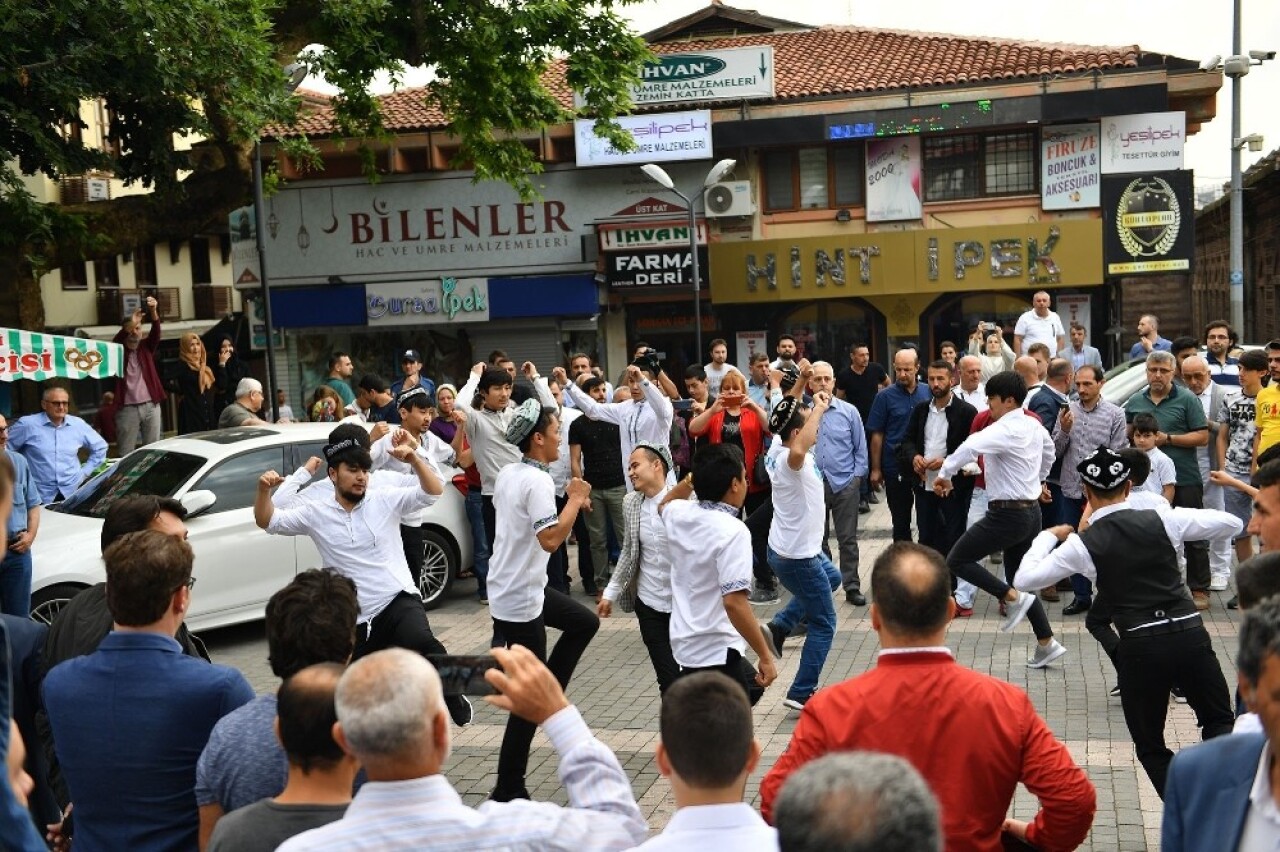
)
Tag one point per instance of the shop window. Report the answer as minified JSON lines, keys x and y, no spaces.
{"x":813,"y":178}
{"x":972,"y":166}
{"x":73,"y":277}
{"x":823,"y":330}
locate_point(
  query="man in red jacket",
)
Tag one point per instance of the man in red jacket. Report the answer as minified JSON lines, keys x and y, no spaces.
{"x":138,"y":390}
{"x":974,"y":738}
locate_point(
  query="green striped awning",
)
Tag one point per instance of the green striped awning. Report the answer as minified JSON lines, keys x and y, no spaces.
{"x":30,"y":355}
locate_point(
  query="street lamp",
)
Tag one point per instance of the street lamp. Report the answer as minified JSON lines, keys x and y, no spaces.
{"x":1236,"y":66}
{"x":294,"y":74}
{"x":660,"y":177}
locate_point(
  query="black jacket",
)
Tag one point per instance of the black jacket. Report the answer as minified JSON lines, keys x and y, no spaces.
{"x":960,"y":416}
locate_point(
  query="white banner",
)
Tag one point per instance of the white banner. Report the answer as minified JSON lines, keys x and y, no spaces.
{"x":749,"y":343}
{"x":893,"y":179}
{"x":712,"y":75}
{"x":1148,"y":142}
{"x":437,"y":302}
{"x":1076,"y":308}
{"x":1069,"y":167}
{"x":660,"y":137}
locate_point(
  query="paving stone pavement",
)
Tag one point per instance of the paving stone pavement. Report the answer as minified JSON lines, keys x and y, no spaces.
{"x":615,"y":689}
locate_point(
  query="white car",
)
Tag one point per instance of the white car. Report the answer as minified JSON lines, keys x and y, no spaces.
{"x":238,"y":566}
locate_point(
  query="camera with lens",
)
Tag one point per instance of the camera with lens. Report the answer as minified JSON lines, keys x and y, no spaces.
{"x":648,"y":360}
{"x":790,"y":375}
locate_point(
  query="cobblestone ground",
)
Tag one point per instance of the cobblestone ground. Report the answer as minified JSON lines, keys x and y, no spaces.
{"x":615,"y":689}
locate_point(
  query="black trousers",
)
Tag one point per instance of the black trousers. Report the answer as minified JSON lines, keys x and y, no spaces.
{"x":1007,"y":529}
{"x":413,"y":540}
{"x":558,"y":563}
{"x":1197,"y":552}
{"x":655,"y":630}
{"x":586,"y":568}
{"x":1098,"y":623}
{"x":402,"y":624}
{"x":577,"y":625}
{"x":900,"y":495}
{"x":732,"y":668}
{"x":758,"y":510}
{"x":1149,"y":667}
{"x":942,"y":520}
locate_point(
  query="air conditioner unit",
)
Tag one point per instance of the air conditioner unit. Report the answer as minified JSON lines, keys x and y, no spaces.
{"x":731,"y":198}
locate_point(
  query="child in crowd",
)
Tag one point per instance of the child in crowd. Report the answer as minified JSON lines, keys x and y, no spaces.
{"x":1162,"y":476}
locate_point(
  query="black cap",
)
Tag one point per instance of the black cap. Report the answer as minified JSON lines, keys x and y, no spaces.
{"x":1104,"y":469}
{"x":411,"y":355}
{"x":781,"y":414}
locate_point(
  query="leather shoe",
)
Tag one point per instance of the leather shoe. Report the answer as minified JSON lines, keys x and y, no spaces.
{"x":1076,"y":607}
{"x":855,"y":597}
{"x":863,"y":507}
{"x":872,"y":498}
{"x":1049,"y":593}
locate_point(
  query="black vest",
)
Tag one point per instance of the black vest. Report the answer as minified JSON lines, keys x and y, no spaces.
{"x":1137,"y":568}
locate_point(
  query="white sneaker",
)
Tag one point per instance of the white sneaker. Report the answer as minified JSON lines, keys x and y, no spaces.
{"x":1016,"y":611}
{"x":1046,"y":654}
{"x":1219,"y":584}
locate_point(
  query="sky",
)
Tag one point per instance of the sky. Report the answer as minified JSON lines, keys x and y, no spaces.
{"x":1191,"y":29}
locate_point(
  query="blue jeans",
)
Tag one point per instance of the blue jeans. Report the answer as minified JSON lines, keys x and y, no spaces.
{"x":479,"y":541}
{"x":811,"y":582}
{"x":15,"y":584}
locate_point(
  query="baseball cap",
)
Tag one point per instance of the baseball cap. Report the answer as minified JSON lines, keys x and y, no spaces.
{"x":411,"y":355}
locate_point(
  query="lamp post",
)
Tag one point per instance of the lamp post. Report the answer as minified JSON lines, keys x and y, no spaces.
{"x":659,"y":176}
{"x":1236,"y":66}
{"x":294,"y":75}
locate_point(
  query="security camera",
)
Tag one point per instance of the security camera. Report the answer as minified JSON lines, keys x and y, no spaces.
{"x":1211,"y":63}
{"x":1255,"y":142}
{"x":1236,"y":66}
{"x":1262,"y":55}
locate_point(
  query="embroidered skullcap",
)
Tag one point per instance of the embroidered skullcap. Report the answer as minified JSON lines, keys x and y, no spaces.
{"x":1104,"y":469}
{"x":331,"y":450}
{"x":414,"y":395}
{"x":525,"y":419}
{"x":782,"y":412}
{"x":662,"y":450}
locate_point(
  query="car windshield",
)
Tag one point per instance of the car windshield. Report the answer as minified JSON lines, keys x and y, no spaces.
{"x":143,"y":472}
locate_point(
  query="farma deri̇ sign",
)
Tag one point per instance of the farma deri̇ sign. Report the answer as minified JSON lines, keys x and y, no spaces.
{"x":712,"y":75}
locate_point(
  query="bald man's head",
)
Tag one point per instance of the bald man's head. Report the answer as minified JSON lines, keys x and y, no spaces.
{"x":911,"y":588}
{"x":1027,"y":367}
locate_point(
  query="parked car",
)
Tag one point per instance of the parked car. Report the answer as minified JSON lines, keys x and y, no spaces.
{"x":215,"y":476}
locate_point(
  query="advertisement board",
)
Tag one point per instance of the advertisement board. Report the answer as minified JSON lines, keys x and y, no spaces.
{"x":893,"y":179}
{"x":1147,"y":142}
{"x":1149,"y":223}
{"x":1070,"y":167}
{"x":660,"y":138}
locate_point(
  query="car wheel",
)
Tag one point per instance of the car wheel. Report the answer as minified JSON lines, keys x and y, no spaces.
{"x":439,"y":567}
{"x":49,"y":601}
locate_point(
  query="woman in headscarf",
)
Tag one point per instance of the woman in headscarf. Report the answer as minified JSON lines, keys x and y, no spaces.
{"x":228,"y":372}
{"x":196,"y":412}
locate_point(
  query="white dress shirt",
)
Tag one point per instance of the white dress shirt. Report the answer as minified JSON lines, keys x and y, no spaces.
{"x":1046,"y":563}
{"x":647,"y":420}
{"x":976,"y":397}
{"x":386,"y":816}
{"x":654,"y":583}
{"x":701,"y":827}
{"x":935,"y":437}
{"x":1261,"y":831}
{"x":363,"y":544}
{"x":1017,"y":455}
{"x":561,"y":468}
{"x":431,"y":449}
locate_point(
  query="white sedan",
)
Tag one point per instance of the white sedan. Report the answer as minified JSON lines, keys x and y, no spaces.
{"x":215,"y":476}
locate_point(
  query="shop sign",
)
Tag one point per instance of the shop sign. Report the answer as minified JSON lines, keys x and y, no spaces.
{"x":659,"y":137}
{"x":1069,"y":167}
{"x":245,"y":267}
{"x":999,"y":257}
{"x":1150,"y":223}
{"x":655,"y":268}
{"x":749,"y":343}
{"x":893,"y":179}
{"x":421,"y":227}
{"x":446,"y":300}
{"x":709,"y":75}
{"x":623,"y":237}
{"x":1148,"y":142}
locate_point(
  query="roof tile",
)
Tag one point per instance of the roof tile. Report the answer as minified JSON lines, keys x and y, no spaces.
{"x":871,"y":60}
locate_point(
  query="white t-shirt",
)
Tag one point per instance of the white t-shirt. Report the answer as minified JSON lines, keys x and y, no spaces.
{"x":1037,"y":329}
{"x":1162,"y":472}
{"x":799,"y":509}
{"x":524,"y":504}
{"x":715,"y":375}
{"x":710,"y":558}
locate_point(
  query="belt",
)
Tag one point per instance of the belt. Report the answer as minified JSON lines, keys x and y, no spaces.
{"x":1011,"y":504}
{"x":1161,"y":628}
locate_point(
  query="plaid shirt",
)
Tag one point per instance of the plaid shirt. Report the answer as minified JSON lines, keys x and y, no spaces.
{"x":1104,"y":426}
{"x":627,"y":572}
